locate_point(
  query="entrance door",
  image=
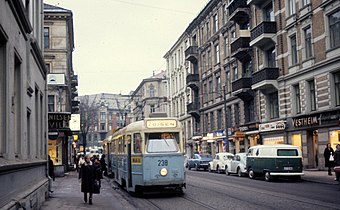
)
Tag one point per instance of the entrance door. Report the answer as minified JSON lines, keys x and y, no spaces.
{"x":312,"y":148}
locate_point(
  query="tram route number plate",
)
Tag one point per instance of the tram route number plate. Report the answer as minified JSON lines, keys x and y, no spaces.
{"x":136,"y":160}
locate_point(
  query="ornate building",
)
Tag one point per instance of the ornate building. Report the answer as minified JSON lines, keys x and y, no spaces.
{"x":23,"y":106}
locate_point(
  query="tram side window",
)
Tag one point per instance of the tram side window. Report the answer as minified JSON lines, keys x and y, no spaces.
{"x":137,"y":143}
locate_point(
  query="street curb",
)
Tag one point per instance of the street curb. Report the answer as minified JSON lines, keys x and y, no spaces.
{"x":320,"y":182}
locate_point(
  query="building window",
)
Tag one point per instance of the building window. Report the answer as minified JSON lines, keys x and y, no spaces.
{"x":217,"y":54}
{"x":293,"y":47}
{"x":102,"y":126}
{"x":51,"y":103}
{"x":312,"y":96}
{"x":305,"y":2}
{"x":273,"y":105}
{"x":212,"y":122}
{"x":247,"y":69}
{"x":211,"y":90}
{"x":153,"y":109}
{"x":219,"y":119}
{"x":291,"y":7}
{"x":228,"y":78}
{"x":270,"y":57}
{"x":102,"y":116}
{"x":215,"y":23}
{"x":226,"y":48}
{"x":209,"y":59}
{"x":269,"y":13}
{"x":225,"y":14}
{"x":208,"y":30}
{"x":46,"y":37}
{"x":218,"y":85}
{"x":235,"y":71}
{"x":237,"y":114}
{"x":152,"y":89}
{"x":308,"y":42}
{"x":337,"y":88}
{"x":334,"y":29}
{"x":249,"y":108}
{"x":297,"y":99}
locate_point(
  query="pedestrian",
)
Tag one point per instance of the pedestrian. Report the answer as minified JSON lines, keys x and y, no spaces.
{"x":103,"y":164}
{"x":51,"y":169}
{"x":337,"y":161}
{"x":87,"y":176}
{"x":329,"y":159}
{"x":81,"y":160}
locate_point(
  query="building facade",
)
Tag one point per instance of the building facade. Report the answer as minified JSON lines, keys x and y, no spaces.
{"x":107,"y":112}
{"x":265,"y":72}
{"x":179,"y":96}
{"x":23,"y":110}
{"x":150,"y":96}
{"x":62,"y":83}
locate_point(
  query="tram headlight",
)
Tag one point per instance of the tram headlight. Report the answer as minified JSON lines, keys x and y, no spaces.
{"x":163,"y":172}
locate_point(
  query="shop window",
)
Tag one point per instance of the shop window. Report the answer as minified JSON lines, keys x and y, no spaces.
{"x":334,"y":138}
{"x":297,"y":140}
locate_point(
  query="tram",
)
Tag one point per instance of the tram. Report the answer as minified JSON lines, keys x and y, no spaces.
{"x":148,"y":155}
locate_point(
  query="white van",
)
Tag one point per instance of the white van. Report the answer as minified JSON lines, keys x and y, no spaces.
{"x":274,"y":161}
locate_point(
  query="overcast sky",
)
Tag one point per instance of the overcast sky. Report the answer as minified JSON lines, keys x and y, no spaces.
{"x":118,"y":43}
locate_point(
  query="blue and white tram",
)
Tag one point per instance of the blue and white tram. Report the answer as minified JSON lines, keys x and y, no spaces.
{"x":149,"y":155}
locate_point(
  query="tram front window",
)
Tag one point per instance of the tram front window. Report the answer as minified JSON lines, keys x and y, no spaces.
{"x":161,"y":143}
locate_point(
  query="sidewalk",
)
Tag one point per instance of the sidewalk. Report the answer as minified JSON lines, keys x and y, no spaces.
{"x":66,"y":195}
{"x":319,"y":177}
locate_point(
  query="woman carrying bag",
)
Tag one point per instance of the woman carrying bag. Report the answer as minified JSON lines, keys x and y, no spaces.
{"x":88,"y":177}
{"x":329,"y":159}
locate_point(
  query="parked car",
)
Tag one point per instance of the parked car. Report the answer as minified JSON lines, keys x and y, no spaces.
{"x":199,"y":161}
{"x":219,"y":163}
{"x":274,"y":161}
{"x":237,"y":165}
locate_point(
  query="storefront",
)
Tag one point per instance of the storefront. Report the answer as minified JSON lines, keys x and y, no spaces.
{"x":60,"y":136}
{"x":312,"y":133}
{"x":272,"y":133}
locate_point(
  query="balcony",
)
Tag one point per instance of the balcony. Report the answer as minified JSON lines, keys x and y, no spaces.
{"x":193,"y":81}
{"x":256,"y":2}
{"x":240,"y":47}
{"x":74,"y":81}
{"x":242,"y":88}
{"x":239,"y":11}
{"x":191,"y":54}
{"x":265,"y":79}
{"x":262,"y":35}
{"x":193,"y":109}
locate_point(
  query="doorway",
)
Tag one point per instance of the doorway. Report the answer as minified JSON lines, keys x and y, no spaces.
{"x":312,"y":148}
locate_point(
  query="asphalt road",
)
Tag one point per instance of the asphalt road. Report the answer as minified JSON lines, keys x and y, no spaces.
{"x":218,"y":191}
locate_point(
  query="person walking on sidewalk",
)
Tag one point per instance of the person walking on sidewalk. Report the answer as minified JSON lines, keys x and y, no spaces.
{"x":337,"y":161}
{"x":103,"y":164}
{"x":87,"y":175}
{"x":329,"y":160}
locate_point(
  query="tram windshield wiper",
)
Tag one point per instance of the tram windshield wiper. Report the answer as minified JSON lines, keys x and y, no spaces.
{"x":166,"y":142}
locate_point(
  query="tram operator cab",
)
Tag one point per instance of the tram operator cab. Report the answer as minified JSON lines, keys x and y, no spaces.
{"x":148,"y":155}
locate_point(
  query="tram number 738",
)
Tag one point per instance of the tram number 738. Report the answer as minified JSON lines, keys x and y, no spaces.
{"x":162,"y":162}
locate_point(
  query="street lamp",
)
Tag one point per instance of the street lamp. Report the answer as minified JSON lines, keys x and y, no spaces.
{"x":225,"y":120}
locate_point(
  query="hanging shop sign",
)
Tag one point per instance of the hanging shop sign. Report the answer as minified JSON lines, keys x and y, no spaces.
{"x":59,"y":121}
{"x":305,"y":121}
{"x":272,"y":126}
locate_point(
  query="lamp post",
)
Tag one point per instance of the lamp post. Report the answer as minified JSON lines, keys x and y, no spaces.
{"x":225,"y":120}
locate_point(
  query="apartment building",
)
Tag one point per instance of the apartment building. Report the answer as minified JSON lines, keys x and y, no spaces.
{"x":23,"y":110}
{"x":150,"y":96}
{"x":304,"y":44}
{"x":178,"y":95}
{"x":106,"y":112}
{"x":61,"y":83}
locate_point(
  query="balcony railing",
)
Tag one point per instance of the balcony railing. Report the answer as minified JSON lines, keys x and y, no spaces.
{"x":240,"y":47}
{"x":193,"y":109}
{"x":265,"y":74}
{"x":192,"y":81}
{"x":242,"y":83}
{"x":262,"y":35}
{"x":239,"y":11}
{"x":191,"y":54}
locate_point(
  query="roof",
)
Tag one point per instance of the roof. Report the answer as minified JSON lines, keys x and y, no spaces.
{"x":51,"y":8}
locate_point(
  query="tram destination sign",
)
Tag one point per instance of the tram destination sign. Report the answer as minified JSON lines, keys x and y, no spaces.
{"x":161,"y":123}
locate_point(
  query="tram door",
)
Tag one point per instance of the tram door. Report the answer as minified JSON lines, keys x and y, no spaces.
{"x":129,"y":169}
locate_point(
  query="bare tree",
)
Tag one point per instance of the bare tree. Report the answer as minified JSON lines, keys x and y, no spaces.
{"x":88,"y":116}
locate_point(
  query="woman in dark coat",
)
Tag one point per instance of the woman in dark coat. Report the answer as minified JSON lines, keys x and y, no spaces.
{"x":337,"y":161}
{"x":88,"y":176}
{"x":327,"y":154}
